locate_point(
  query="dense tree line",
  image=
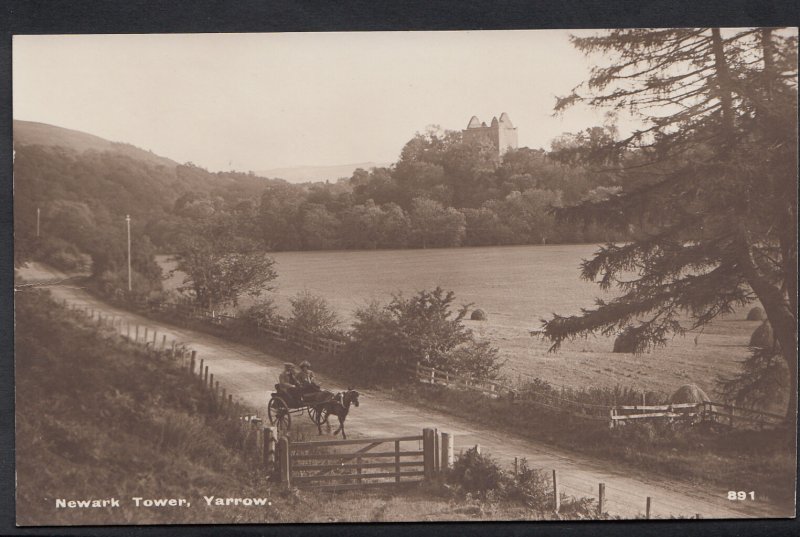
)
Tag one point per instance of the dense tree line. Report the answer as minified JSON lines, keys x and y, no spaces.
{"x":442,"y":192}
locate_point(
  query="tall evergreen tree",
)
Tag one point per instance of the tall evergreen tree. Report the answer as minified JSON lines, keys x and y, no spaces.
{"x":710,"y":184}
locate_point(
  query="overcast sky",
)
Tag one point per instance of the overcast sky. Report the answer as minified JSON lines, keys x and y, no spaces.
{"x":258,"y":101}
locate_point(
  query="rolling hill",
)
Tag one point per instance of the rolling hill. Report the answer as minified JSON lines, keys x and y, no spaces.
{"x":97,"y":182}
{"x":42,"y":134}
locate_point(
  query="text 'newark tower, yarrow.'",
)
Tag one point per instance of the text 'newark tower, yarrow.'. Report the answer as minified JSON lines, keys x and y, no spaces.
{"x":501,"y":134}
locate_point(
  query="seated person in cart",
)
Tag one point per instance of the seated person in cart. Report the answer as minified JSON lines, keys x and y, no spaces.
{"x":301,"y":387}
{"x":288,"y":383}
{"x":306,"y":378}
{"x":310,"y":391}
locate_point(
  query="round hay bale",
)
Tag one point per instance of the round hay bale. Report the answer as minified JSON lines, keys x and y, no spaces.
{"x":478,"y":315}
{"x":763,"y":336}
{"x":689,"y":393}
{"x":625,"y":342}
{"x":756,"y":314}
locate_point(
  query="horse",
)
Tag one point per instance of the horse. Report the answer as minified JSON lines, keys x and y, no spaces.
{"x":340,"y":407}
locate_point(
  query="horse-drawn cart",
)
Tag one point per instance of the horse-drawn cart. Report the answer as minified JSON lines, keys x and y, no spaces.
{"x":282,"y":405}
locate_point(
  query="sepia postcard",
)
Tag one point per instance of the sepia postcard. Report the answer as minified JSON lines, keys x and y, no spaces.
{"x":416,"y":276}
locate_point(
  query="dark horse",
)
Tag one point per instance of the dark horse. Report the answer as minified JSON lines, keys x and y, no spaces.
{"x":339,"y":407}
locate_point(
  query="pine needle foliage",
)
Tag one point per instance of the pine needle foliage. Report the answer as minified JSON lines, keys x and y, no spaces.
{"x":709,"y":183}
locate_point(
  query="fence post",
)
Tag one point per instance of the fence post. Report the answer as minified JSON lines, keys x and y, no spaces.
{"x":155,"y":336}
{"x":285,"y":461}
{"x":202,"y":362}
{"x":211,"y":385}
{"x":611,"y":415}
{"x":516,"y":466}
{"x":556,"y":495}
{"x":137,"y":334}
{"x":647,"y":509}
{"x":216,"y":390}
{"x":447,"y":451}
{"x":192,"y":362}
{"x":397,"y":460}
{"x":145,"y":335}
{"x":427,"y":452}
{"x":163,"y":341}
{"x":437,"y":452}
{"x":358,"y":469}
{"x":259,"y":443}
{"x":205,"y":376}
{"x":601,"y":499}
{"x":270,"y":438}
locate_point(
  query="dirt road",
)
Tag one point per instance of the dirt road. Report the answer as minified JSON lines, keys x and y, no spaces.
{"x":250,"y":374}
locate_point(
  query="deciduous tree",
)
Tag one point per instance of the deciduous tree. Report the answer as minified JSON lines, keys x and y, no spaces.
{"x":220,"y":266}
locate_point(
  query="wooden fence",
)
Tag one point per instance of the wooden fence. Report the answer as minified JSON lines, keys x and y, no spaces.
{"x":496,"y":389}
{"x":612,"y":414}
{"x":377,"y":462}
{"x":258,"y":440}
{"x":294,"y":336}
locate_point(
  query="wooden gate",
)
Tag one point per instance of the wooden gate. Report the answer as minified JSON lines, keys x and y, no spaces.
{"x":376,"y":462}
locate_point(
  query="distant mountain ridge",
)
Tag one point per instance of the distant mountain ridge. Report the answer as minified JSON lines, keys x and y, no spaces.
{"x":303,"y":174}
{"x":34,"y":133}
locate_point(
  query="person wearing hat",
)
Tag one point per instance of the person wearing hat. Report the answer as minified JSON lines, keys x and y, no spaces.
{"x":306,"y":377}
{"x":287,"y":380}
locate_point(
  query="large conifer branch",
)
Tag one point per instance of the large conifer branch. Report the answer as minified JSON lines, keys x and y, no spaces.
{"x":703,"y":297}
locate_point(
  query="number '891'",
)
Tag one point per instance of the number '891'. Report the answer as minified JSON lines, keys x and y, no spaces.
{"x":740,"y":495}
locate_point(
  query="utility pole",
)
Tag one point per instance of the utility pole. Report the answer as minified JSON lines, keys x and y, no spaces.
{"x":128,"y":222}
{"x":38,"y":213}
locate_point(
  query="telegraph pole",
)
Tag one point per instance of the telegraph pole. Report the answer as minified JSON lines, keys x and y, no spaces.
{"x":38,"y":213}
{"x":128,"y":222}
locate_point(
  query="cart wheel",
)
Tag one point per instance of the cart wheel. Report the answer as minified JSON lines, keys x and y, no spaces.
{"x":323,"y":416}
{"x":318,"y":415}
{"x":278,"y":412}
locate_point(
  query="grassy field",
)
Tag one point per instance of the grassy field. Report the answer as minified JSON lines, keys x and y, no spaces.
{"x":516,"y":286}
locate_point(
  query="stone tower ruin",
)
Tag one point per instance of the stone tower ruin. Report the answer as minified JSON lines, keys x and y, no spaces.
{"x":502,"y":134}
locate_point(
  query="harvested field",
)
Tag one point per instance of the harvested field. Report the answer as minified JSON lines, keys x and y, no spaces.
{"x":516,"y":287}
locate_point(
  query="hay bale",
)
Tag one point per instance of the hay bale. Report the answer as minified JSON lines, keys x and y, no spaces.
{"x":625,"y":342}
{"x":689,"y":393}
{"x":763,"y":336}
{"x":478,"y":315}
{"x":756,"y":314}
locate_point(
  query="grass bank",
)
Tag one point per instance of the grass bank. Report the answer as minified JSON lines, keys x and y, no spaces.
{"x":100,"y":418}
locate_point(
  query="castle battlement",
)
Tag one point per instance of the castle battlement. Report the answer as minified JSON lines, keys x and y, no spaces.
{"x":502,"y":134}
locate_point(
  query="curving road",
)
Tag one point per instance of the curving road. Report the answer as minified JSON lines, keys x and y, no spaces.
{"x":249,"y":374}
